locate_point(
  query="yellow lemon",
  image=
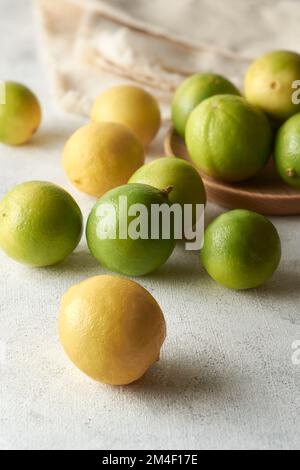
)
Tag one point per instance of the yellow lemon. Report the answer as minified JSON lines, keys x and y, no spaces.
{"x":131,"y":106}
{"x":20,"y":114}
{"x":102,"y":156}
{"x":112,"y":329}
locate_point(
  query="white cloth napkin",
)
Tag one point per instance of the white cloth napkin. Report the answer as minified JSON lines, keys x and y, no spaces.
{"x":157,"y":44}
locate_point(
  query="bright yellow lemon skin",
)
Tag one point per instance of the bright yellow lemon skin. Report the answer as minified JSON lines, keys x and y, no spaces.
{"x":112,"y":329}
{"x":100,"y":157}
{"x":131,"y":106}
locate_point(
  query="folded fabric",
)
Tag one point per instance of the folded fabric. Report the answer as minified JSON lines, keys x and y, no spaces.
{"x":152,"y":60}
{"x":241,"y":28}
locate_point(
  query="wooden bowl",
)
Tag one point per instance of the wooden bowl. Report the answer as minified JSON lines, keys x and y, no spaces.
{"x":266,"y":193}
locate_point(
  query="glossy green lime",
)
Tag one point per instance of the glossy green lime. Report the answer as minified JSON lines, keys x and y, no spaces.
{"x":242,"y":249}
{"x":40,"y":224}
{"x":193,"y":91}
{"x":228,"y":139}
{"x":109,"y":233}
{"x":287,"y":151}
{"x":187,"y":185}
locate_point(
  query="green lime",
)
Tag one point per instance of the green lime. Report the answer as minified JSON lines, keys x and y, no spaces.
{"x":269,"y":83}
{"x":193,"y":91}
{"x":40,"y":224}
{"x":120,"y":252}
{"x":287,"y":151}
{"x":187,"y":184}
{"x":242,"y":249}
{"x":228,"y":139}
{"x":20,"y":114}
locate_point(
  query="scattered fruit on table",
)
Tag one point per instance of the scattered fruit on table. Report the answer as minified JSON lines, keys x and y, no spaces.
{"x":228,"y":139}
{"x":269,"y":84}
{"x":187,"y":185}
{"x":20,"y":115}
{"x":112,"y":329}
{"x":102,"y":156}
{"x":242,"y":249}
{"x":132,"y":257}
{"x":40,"y":224}
{"x":287,"y":151}
{"x":131,"y":106}
{"x":193,"y":91}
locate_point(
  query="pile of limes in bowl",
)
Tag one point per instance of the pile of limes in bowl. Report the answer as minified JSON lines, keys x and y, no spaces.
{"x":230,"y":137}
{"x":110,"y":327}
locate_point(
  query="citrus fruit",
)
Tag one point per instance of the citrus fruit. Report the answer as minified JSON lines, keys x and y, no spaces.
{"x":131,"y":106}
{"x":241,"y":249}
{"x":228,"y":139}
{"x":112,"y":329}
{"x":20,"y":115}
{"x":193,"y":91}
{"x":187,"y":185}
{"x":287,"y":151}
{"x":268,"y":83}
{"x":100,"y":157}
{"x":40,"y":224}
{"x":121,"y":252}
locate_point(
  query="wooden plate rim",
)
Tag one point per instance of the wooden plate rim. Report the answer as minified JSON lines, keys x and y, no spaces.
{"x":220,"y":185}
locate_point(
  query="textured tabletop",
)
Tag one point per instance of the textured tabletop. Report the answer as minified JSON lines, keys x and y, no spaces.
{"x":226,"y":379}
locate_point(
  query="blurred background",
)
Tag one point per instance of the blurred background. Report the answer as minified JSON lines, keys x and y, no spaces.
{"x":91,"y":44}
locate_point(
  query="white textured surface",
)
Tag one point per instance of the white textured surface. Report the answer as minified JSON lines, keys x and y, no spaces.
{"x":226,"y":378}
